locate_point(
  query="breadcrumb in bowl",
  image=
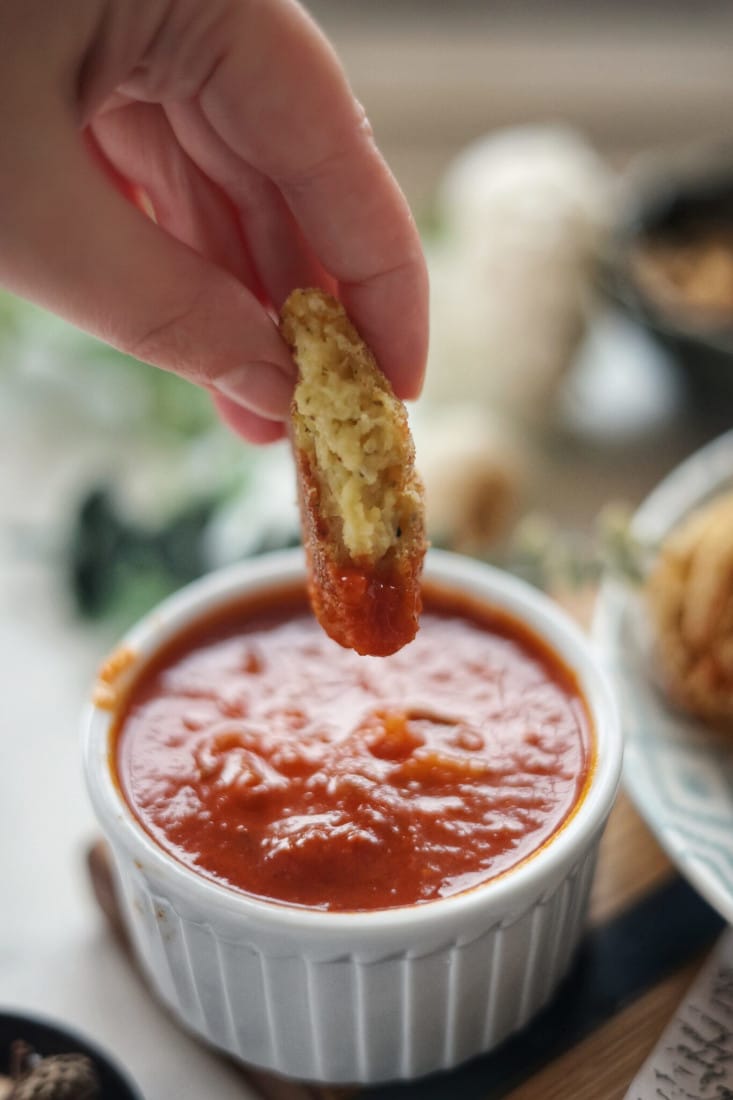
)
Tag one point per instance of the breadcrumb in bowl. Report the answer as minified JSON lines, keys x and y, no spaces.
{"x":361,"y":498}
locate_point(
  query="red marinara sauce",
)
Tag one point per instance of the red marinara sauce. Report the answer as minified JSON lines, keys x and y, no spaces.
{"x":261,"y":754}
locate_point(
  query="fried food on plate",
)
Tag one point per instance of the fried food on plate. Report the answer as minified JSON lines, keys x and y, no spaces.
{"x":360,"y":496}
{"x":690,"y":597}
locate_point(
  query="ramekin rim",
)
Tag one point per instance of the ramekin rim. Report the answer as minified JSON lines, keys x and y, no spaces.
{"x":500,"y":590}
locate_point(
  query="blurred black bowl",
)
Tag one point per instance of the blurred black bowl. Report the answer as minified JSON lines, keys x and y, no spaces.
{"x":672,"y":204}
{"x":46,"y":1038}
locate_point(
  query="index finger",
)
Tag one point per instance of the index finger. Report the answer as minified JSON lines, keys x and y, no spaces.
{"x":280,"y":100}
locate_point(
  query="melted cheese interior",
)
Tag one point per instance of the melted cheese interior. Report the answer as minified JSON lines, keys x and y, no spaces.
{"x":354,"y":439}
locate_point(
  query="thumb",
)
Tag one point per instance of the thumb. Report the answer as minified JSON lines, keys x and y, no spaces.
{"x":80,"y":249}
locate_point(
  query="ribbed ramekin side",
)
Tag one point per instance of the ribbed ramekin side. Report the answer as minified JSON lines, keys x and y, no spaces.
{"x":503,"y":978}
{"x":355,"y":1018}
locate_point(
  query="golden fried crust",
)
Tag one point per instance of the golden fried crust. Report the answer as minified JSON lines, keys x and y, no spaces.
{"x":690,"y":597}
{"x":360,"y":497}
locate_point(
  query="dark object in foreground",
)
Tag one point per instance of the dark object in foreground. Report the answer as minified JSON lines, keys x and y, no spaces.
{"x":40,"y":1060}
{"x":57,"y":1077}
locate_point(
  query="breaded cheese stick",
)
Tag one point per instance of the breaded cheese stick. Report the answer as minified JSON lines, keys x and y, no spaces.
{"x":361,"y":499}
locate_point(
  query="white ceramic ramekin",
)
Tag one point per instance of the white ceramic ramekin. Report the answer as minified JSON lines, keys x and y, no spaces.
{"x":359,"y":997}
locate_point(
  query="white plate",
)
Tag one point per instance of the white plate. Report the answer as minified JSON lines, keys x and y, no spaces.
{"x":679,"y":774}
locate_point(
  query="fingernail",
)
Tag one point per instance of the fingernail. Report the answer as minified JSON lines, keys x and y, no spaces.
{"x":261,"y":387}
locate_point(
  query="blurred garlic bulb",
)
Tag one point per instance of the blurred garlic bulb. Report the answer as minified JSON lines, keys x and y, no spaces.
{"x":473,"y":472}
{"x":524,"y":214}
{"x":690,"y":597}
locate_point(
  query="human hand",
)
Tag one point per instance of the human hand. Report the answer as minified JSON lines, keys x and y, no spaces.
{"x":235,"y":119}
